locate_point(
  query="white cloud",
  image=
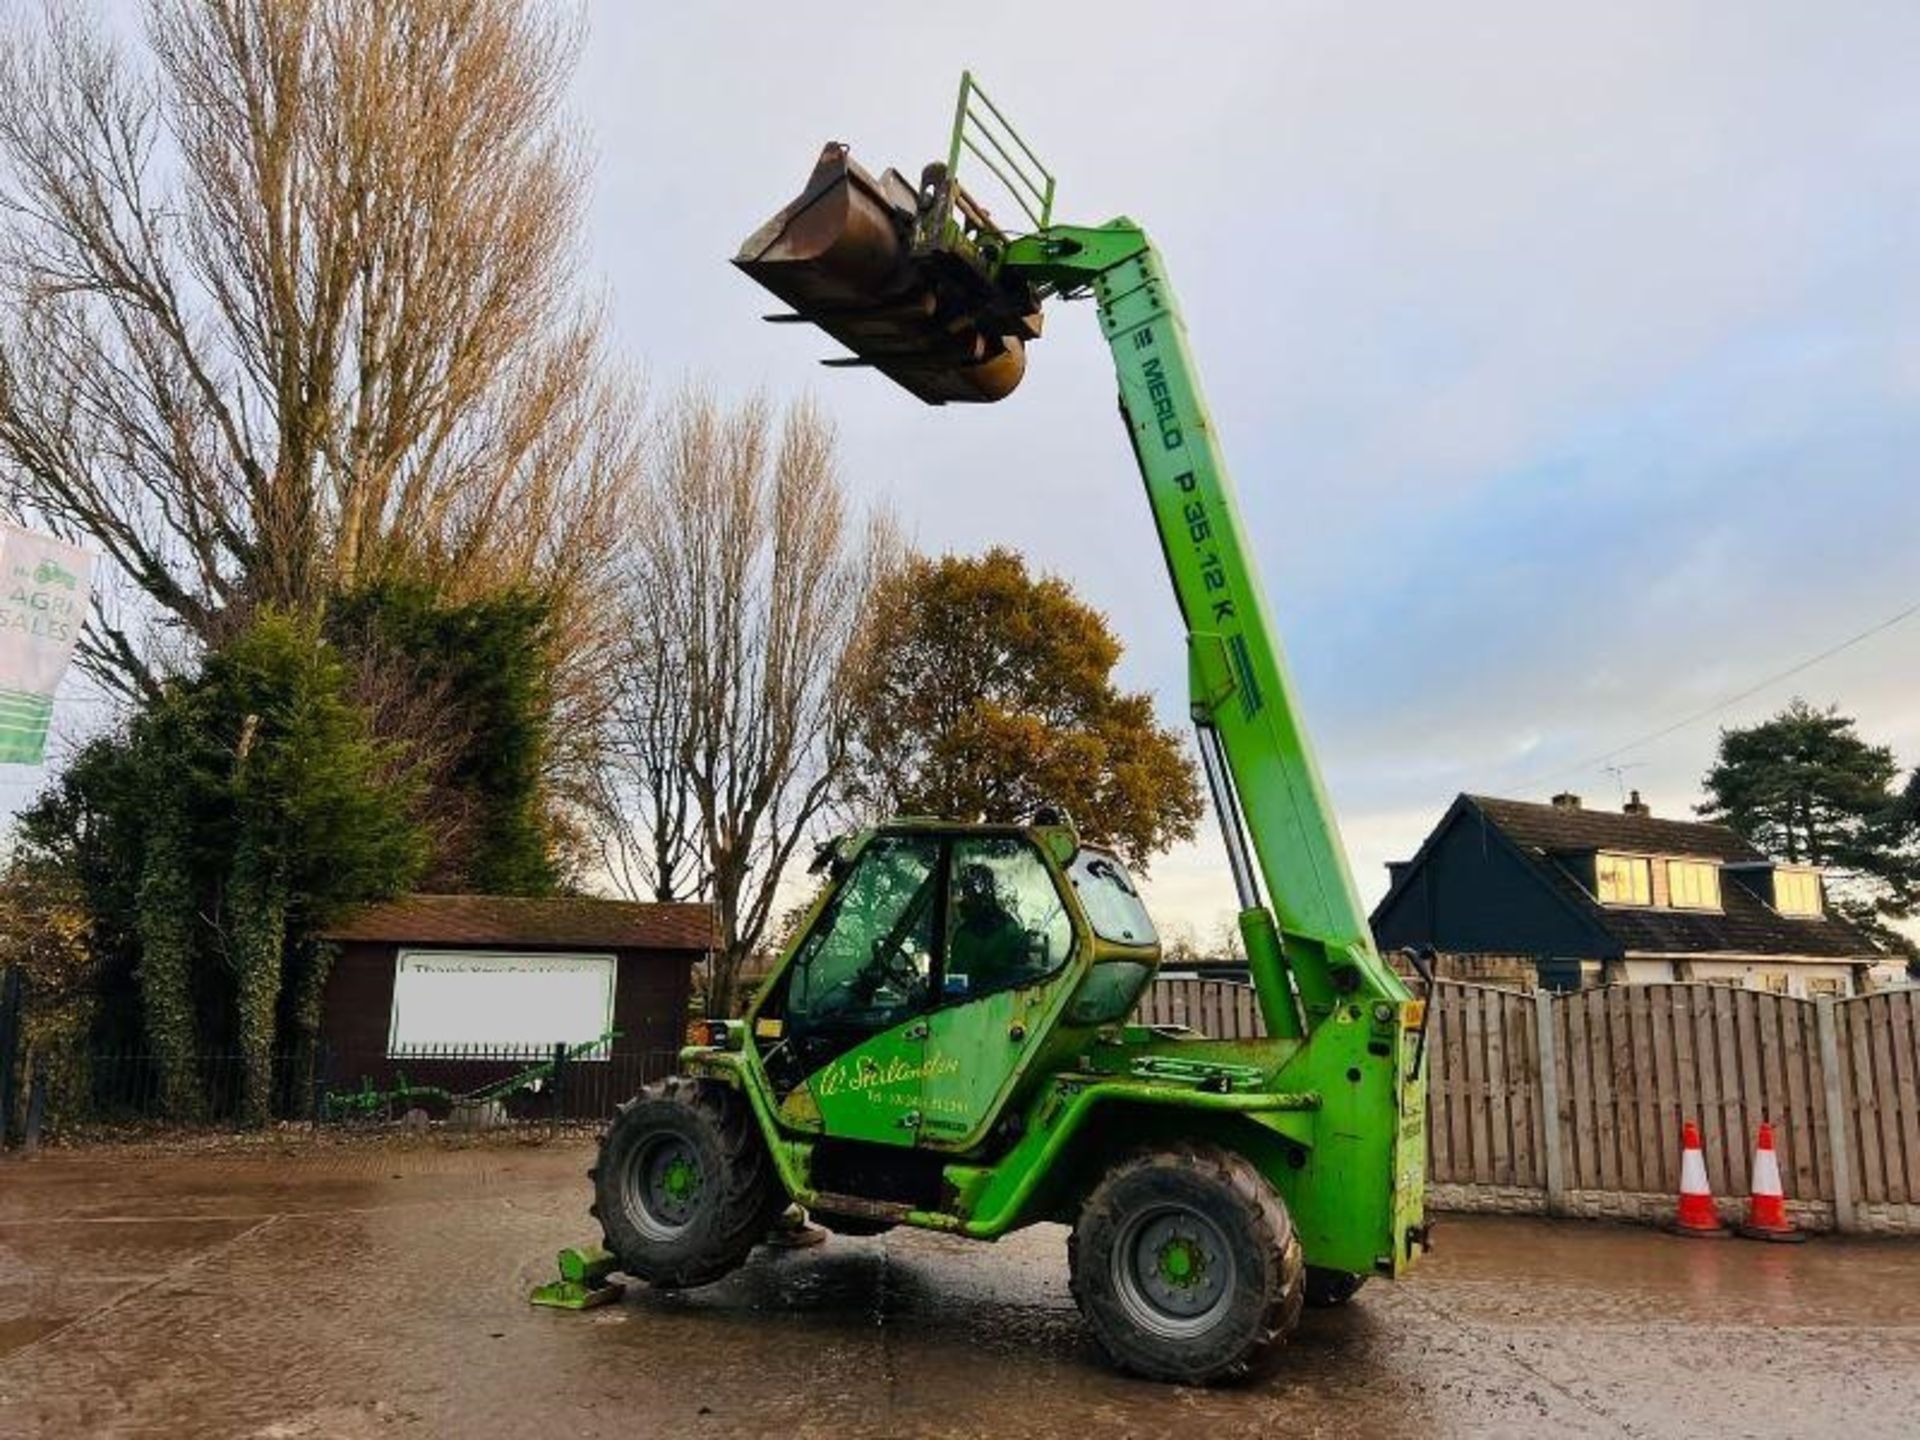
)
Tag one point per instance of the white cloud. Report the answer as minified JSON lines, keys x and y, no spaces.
{"x":1564,"y":355}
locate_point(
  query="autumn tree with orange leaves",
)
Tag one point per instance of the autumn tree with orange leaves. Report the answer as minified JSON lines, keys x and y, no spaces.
{"x":986,"y":692}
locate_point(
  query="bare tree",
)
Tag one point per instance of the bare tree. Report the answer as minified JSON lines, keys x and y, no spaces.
{"x":1178,"y":943}
{"x":292,"y":307}
{"x":643,"y":813}
{"x":750,"y":580}
{"x":1228,"y":944}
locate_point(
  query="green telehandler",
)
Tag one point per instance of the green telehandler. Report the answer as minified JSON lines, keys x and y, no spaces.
{"x":946,"y":1043}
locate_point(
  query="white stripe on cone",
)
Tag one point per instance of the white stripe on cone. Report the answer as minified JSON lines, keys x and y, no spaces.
{"x":1766,"y":1172}
{"x":1693,"y":1173}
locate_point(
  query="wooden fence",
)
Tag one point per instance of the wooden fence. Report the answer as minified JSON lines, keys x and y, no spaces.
{"x":1220,"y":1008}
{"x":1574,"y":1103}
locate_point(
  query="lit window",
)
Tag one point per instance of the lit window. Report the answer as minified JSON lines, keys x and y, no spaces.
{"x":1796,"y":892}
{"x":1623,"y":879}
{"x":1774,"y":983}
{"x":1693,"y":885}
{"x":1825,"y":985}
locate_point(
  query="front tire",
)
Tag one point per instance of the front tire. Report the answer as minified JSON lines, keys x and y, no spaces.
{"x":684,"y":1187}
{"x":1186,"y":1267}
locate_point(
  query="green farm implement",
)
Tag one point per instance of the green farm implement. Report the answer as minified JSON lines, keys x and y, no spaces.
{"x":368,"y":1103}
{"x":946,"y":1044}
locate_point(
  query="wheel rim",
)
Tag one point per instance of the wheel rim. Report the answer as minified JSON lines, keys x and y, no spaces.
{"x":1173,"y":1271}
{"x":664,"y":1183}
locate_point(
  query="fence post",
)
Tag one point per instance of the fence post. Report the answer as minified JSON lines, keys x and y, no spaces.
{"x":1556,"y":1161}
{"x":559,"y":1084}
{"x":322,"y":1063}
{"x":10,"y":1006}
{"x":1838,"y":1150}
{"x":36,"y":1108}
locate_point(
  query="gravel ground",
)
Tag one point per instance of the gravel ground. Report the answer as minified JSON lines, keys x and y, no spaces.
{"x":286,"y":1289}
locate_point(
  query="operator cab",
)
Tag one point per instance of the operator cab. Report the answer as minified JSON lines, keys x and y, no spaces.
{"x":926,"y":920}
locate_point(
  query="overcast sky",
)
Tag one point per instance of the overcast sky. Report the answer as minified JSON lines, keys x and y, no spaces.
{"x":1567,"y":358}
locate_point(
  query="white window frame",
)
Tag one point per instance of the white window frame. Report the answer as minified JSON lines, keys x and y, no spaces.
{"x":1812,"y":877}
{"x":1708,"y":868}
{"x":1645,"y":865}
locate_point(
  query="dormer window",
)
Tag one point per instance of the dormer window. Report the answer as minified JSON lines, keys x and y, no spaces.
{"x":1796,"y":892}
{"x":1623,"y":879}
{"x":1693,"y":885}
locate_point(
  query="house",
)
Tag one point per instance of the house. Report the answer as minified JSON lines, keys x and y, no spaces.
{"x":457,"y":991}
{"x":1562,"y":897}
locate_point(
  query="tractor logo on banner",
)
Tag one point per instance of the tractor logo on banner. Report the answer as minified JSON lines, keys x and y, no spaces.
{"x":43,"y":604}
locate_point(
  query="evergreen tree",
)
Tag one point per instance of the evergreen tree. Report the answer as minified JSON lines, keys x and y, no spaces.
{"x":1806,"y":789}
{"x":237,"y":815}
{"x":466,"y":686}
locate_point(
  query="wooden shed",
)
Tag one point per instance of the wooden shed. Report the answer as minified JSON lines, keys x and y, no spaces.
{"x":458,"y":991}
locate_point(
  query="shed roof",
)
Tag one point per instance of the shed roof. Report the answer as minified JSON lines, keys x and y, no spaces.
{"x":518,"y":920}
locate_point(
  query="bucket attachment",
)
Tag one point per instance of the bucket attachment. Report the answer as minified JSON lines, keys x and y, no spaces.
{"x":905,"y":278}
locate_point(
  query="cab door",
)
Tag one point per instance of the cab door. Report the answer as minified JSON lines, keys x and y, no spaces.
{"x":853,"y":1015}
{"x":1008,"y":939}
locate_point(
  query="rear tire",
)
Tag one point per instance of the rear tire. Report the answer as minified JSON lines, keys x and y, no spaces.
{"x":684,"y":1187}
{"x":1327,"y":1289}
{"x":1186,"y":1267}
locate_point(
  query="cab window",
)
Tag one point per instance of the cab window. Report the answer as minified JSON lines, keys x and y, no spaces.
{"x":868,"y":966}
{"x":1111,"y":901}
{"x":1006,"y":923}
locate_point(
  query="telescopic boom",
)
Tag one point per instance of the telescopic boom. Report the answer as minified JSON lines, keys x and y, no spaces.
{"x":1253,"y":744}
{"x":921,"y":284}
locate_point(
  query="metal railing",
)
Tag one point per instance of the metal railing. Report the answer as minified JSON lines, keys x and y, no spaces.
{"x":462,"y":1086}
{"x":1020,"y":172}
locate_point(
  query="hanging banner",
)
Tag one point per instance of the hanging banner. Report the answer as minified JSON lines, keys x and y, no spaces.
{"x":43,"y":602}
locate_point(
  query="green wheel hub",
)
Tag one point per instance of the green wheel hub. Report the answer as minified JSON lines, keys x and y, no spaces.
{"x":681,"y":1178}
{"x":1173,"y":1271}
{"x":1181,"y":1262}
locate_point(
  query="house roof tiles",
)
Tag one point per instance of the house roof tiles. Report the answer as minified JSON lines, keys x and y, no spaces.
{"x":1552,"y":839}
{"x":1551,"y":827}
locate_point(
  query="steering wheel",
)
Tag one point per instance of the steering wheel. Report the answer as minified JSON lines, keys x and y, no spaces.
{"x":898,"y":966}
{"x":863,"y":986}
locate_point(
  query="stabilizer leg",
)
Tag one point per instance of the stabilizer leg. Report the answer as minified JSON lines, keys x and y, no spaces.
{"x":585,"y":1281}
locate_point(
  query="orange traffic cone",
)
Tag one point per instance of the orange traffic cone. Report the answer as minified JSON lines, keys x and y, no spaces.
{"x":1767,"y":1206}
{"x":1696,"y":1215}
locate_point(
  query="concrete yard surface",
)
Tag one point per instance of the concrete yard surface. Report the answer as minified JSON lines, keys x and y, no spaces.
{"x":372,"y":1290}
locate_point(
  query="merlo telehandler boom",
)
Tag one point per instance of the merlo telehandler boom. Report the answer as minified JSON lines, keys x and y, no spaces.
{"x":945,"y":1042}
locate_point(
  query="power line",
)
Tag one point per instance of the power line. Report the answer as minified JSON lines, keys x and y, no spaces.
{"x":1727,"y":703}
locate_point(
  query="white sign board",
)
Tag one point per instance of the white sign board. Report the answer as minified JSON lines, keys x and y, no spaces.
{"x":451,"y":999}
{"x":43,"y":603}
